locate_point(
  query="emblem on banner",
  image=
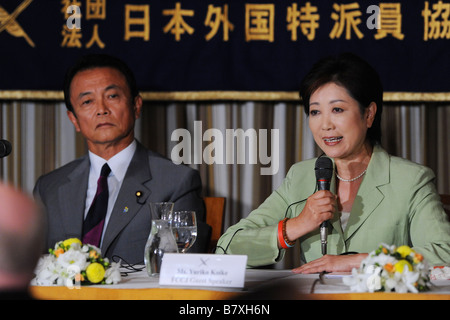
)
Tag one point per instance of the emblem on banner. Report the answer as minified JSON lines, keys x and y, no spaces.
{"x":8,"y":22}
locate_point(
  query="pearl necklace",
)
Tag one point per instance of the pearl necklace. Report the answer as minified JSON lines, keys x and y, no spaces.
{"x":351,"y":180}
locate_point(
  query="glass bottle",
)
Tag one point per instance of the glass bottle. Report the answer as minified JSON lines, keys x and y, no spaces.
{"x":160,"y":241}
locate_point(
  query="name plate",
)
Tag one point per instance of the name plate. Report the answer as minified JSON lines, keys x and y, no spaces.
{"x":203,"y":270}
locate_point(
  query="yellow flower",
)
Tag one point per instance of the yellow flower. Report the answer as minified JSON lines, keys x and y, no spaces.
{"x":404,"y":251}
{"x":93,"y":254}
{"x":389,"y":267}
{"x":95,"y":272}
{"x":400,"y":266}
{"x":418,"y":258}
{"x":69,"y":242}
{"x":58,"y":251}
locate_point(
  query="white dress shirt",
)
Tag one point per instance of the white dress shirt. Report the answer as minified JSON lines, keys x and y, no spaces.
{"x":119,"y":166}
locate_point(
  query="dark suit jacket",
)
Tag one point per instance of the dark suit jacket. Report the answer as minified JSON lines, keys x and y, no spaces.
{"x":63,"y":195}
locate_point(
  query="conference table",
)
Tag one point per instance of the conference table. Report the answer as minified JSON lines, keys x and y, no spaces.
{"x":263,"y":284}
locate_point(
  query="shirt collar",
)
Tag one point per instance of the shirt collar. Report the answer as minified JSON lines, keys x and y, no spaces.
{"x":118,"y":163}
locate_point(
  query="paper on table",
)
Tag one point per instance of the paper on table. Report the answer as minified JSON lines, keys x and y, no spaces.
{"x":337,"y":275}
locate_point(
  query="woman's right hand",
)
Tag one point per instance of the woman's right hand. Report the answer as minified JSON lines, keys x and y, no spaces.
{"x":319,"y":207}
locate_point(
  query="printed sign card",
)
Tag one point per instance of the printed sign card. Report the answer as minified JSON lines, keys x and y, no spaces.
{"x":203,"y":270}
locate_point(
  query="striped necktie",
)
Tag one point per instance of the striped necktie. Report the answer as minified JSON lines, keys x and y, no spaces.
{"x":95,"y":219}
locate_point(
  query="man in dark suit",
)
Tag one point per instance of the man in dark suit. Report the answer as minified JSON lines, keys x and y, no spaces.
{"x":103,"y":103}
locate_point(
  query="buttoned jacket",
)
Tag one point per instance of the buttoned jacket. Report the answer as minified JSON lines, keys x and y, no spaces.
{"x":396,"y":204}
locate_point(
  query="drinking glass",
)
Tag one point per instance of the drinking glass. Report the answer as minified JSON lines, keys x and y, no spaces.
{"x":184,"y":227}
{"x":161,"y":210}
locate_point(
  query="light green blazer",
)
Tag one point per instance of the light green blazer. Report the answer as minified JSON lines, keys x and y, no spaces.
{"x":396,"y":204}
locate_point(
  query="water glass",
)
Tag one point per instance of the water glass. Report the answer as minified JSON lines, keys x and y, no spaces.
{"x":184,"y":227}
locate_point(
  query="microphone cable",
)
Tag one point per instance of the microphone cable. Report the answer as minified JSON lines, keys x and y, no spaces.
{"x":240,"y":229}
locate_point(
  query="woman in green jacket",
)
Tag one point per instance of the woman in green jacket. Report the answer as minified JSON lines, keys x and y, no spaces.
{"x":374,"y":197}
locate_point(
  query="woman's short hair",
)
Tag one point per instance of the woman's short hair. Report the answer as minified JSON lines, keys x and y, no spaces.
{"x":354,"y":74}
{"x":92,"y":61}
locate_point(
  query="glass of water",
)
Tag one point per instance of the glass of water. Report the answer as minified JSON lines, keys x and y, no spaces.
{"x":184,"y":227}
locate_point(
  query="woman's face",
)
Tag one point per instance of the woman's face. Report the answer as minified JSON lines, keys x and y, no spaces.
{"x":336,"y":122}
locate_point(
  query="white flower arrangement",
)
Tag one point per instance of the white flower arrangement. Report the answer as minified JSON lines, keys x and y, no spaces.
{"x":390,"y":269}
{"x":440,"y":273}
{"x":71,"y":263}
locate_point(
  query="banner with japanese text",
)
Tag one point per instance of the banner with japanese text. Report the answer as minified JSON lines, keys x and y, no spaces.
{"x":219,"y":46}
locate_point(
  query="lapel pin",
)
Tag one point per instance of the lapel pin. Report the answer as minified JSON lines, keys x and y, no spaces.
{"x":125,"y":210}
{"x":139,"y":194}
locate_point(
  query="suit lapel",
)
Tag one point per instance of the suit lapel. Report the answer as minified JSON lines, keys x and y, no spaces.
{"x":72,"y":199}
{"x":369,"y":195}
{"x":127,"y":204}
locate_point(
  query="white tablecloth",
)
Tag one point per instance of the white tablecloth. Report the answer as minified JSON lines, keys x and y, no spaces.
{"x":257,"y":280}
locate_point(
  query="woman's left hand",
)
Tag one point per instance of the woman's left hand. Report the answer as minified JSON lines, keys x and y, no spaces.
{"x":332,"y":263}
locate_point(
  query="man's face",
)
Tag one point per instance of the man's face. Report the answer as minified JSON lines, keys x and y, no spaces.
{"x":104,"y":111}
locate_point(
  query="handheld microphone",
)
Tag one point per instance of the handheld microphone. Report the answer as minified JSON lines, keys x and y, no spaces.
{"x":5,"y":148}
{"x":324,"y":172}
